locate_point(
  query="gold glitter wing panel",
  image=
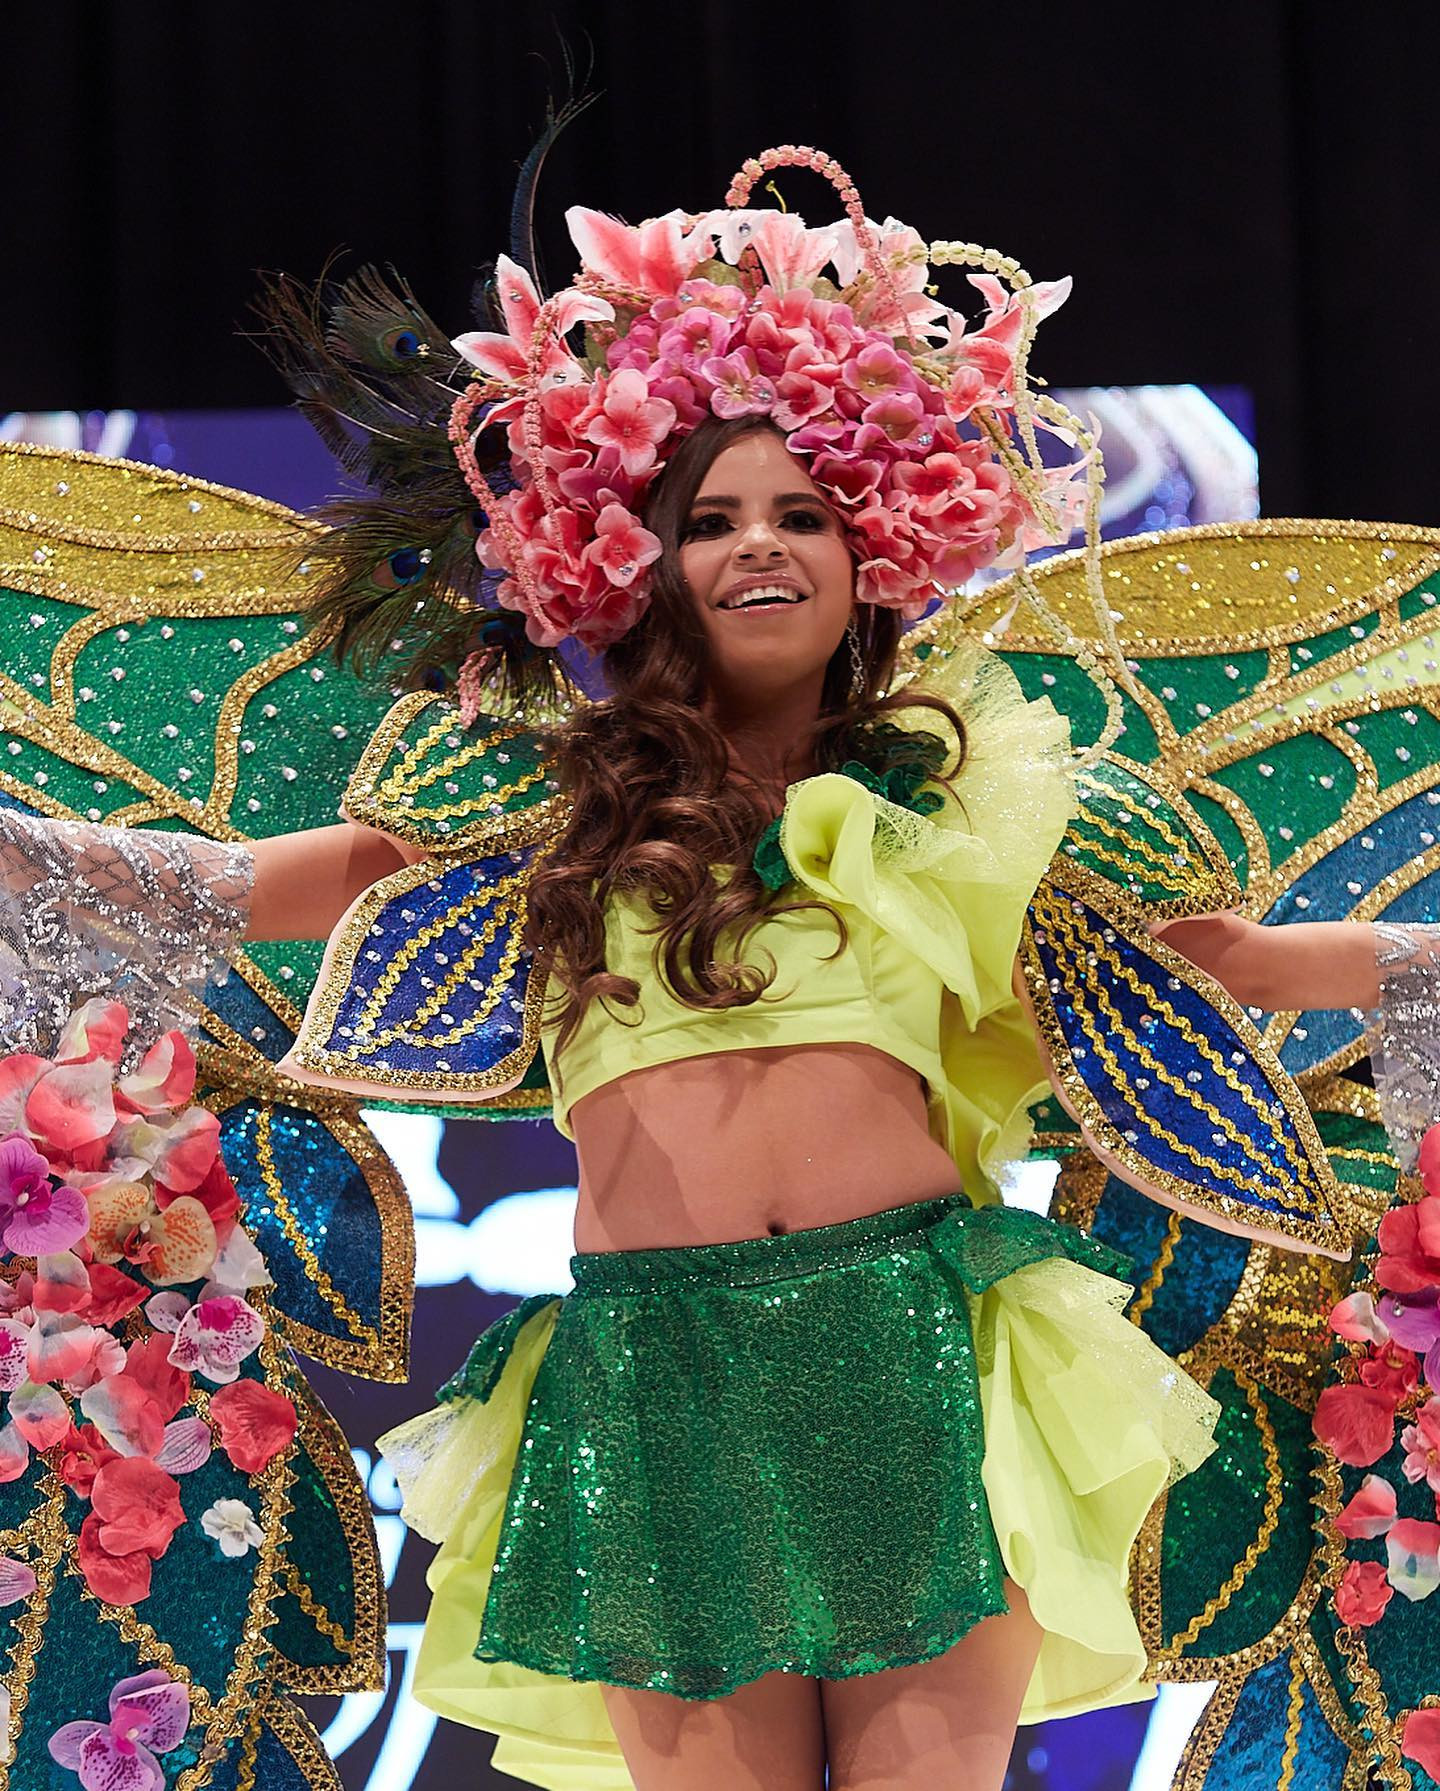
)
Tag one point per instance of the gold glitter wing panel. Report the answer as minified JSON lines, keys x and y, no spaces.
{"x":158,"y":674}
{"x":1287,"y":686}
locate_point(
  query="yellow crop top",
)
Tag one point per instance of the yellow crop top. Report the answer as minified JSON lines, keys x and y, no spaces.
{"x":934,"y":907}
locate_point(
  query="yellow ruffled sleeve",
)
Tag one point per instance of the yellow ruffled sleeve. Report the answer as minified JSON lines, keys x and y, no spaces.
{"x":952,"y":889}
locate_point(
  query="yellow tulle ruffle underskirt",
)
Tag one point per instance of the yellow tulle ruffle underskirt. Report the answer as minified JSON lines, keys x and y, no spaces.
{"x":1086,"y":1422}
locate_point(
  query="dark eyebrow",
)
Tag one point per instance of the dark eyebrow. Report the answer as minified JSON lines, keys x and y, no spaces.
{"x":785,"y":497}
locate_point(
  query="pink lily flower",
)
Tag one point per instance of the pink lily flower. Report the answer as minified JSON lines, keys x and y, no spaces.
{"x":215,"y":1336}
{"x":653,"y":259}
{"x":791,"y":255}
{"x":1413,"y":1551}
{"x":35,"y":1217}
{"x":630,"y":421}
{"x":1370,"y":1511}
{"x":149,"y":1715}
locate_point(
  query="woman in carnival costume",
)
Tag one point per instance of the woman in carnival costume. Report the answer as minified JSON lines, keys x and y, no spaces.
{"x":831,"y":1463}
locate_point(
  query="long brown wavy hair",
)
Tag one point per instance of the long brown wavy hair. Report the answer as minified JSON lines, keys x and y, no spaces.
{"x":656,"y":802}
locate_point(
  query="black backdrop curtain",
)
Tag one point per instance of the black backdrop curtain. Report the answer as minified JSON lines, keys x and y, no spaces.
{"x":1244,"y":192}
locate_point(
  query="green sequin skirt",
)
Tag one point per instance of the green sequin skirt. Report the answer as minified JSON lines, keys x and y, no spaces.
{"x":758,"y":1455}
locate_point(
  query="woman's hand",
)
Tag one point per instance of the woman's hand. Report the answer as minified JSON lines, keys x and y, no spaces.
{"x":1311,"y":964}
{"x":304,"y":882}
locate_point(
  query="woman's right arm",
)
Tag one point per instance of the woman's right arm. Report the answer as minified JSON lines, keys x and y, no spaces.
{"x":305,"y":881}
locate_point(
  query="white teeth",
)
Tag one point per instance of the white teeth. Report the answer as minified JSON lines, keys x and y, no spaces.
{"x":762,"y":594}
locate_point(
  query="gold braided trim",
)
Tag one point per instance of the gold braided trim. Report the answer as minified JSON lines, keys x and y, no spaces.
{"x":296,"y":1238}
{"x":1155,"y":1280}
{"x":247,"y":1764}
{"x":1290,"y":1752}
{"x":296,"y":1584}
{"x":1274,"y":1497}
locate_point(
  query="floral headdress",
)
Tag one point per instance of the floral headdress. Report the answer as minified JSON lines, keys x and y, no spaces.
{"x":919,"y":428}
{"x":922,"y":429}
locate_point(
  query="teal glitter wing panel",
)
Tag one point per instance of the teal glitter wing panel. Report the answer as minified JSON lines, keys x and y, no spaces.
{"x":428,"y":991}
{"x":1287,"y":676}
{"x":227,"y":1626}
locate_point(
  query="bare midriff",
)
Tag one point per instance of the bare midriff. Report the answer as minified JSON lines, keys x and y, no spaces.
{"x":746,"y":1144}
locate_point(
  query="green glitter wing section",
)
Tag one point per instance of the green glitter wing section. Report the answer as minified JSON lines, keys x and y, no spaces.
{"x":1287,"y":690}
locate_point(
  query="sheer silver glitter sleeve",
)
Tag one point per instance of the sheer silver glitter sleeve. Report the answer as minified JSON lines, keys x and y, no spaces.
{"x":89,"y":910}
{"x":1406,"y":1061}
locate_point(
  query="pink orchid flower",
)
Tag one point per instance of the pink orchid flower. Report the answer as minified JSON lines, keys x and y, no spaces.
{"x":653,"y":259}
{"x":35,"y":1217}
{"x":1421,"y":1443}
{"x":149,"y":1715}
{"x":1370,"y":1511}
{"x":17,"y":1581}
{"x":215,"y":1336}
{"x":622,"y":546}
{"x":1413,"y":1557}
{"x":630,"y":421}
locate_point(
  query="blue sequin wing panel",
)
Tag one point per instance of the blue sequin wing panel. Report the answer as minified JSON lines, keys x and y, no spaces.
{"x":427,"y":990}
{"x":329,"y":1213}
{"x":1176,"y":1090}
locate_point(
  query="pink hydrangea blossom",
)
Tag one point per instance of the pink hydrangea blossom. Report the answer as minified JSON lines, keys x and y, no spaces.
{"x":1421,"y":1443}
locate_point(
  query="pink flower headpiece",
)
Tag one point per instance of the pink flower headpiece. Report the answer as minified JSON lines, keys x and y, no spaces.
{"x":919,"y":429}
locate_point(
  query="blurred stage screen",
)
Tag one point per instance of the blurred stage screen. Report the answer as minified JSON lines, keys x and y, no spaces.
{"x":494,"y":1202}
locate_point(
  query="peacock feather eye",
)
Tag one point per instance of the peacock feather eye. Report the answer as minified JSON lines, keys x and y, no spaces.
{"x":405,"y":344}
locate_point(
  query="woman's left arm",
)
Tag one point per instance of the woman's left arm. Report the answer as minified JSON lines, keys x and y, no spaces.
{"x":1310,"y":964}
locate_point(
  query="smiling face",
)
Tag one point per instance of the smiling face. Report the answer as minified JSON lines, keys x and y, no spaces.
{"x":768,"y":570}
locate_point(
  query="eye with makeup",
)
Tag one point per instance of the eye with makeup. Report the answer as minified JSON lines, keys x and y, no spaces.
{"x":811,"y":519}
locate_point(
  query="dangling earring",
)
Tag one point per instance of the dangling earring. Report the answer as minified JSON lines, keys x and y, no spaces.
{"x":857,"y":663}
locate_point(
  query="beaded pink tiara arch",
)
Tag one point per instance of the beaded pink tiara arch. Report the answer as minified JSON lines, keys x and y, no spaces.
{"x":922,"y":431}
